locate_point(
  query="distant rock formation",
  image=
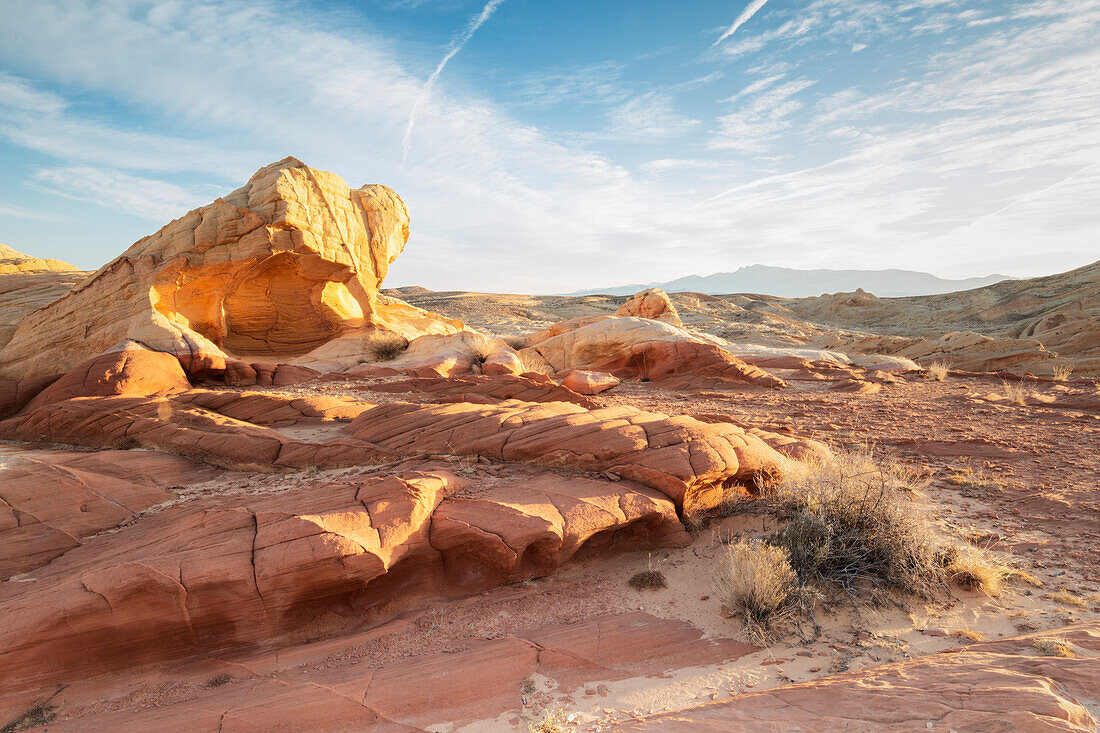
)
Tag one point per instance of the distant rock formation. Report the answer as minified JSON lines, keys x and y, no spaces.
{"x":28,"y":283}
{"x":788,"y":282}
{"x":654,"y":304}
{"x":285,"y":268}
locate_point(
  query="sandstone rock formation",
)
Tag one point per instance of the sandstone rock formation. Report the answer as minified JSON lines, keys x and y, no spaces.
{"x":225,"y":572}
{"x":991,"y":686}
{"x":694,"y":464}
{"x":588,"y":382}
{"x":87,"y":493}
{"x":28,"y":283}
{"x":640,"y":348}
{"x":484,"y":389}
{"x":288,"y":264}
{"x":654,"y":304}
{"x":445,"y":356}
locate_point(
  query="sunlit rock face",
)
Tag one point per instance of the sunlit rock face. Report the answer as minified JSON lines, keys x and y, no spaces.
{"x":290,"y":262}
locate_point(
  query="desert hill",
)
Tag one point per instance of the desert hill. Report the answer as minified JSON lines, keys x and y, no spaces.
{"x":786,"y":282}
{"x":1015,"y":325}
{"x":243,"y":487}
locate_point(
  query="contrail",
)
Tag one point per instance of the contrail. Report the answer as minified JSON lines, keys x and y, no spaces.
{"x":456,"y":46}
{"x":747,"y":13}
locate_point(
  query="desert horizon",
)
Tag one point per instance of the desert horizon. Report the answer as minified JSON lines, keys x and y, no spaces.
{"x":478,"y":367}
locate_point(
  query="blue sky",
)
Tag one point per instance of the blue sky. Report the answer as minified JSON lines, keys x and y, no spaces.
{"x":566,"y":145}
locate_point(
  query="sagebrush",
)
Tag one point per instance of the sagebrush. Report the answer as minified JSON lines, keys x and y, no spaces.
{"x":850,"y":523}
{"x":386,"y":346}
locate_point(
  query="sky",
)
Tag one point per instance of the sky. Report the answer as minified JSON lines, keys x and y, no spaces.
{"x":556,"y":146}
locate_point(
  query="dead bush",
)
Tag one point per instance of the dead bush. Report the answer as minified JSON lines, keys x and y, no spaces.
{"x":974,"y":570}
{"x":1016,"y":392}
{"x":648,"y":580}
{"x":1062,"y":372}
{"x":1050,"y":646}
{"x":755,"y":580}
{"x":384,"y":346}
{"x":938,"y":370}
{"x":554,"y":722}
{"x":37,"y":716}
{"x":850,"y":524}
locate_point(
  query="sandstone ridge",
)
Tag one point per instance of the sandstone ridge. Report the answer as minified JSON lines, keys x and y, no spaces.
{"x":285,"y":268}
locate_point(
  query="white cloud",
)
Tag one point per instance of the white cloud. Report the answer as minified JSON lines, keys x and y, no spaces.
{"x":149,"y":198}
{"x":750,"y":10}
{"x":457,"y":45}
{"x":649,"y":116}
{"x":974,"y":153}
{"x":17,"y":212}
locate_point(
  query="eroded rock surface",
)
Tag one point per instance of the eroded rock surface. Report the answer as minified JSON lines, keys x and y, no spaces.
{"x":286,"y":265}
{"x":223,"y":572}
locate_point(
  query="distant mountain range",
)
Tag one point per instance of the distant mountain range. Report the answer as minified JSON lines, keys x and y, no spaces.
{"x":788,"y":283}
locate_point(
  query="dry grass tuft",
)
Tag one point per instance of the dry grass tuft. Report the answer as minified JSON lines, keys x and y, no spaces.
{"x":967,"y":635}
{"x":648,"y":580}
{"x":1017,"y":392}
{"x":384,"y":346}
{"x":756,"y":580}
{"x":1025,"y":577}
{"x":851,"y":524}
{"x":974,"y":482}
{"x":1065,"y":598}
{"x":554,"y":722}
{"x":1050,"y":646}
{"x":1062,"y":372}
{"x":974,"y":570}
{"x":533,"y":361}
{"x":938,"y":370}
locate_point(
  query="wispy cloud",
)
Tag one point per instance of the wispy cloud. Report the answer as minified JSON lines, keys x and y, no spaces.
{"x":974,"y":148}
{"x":457,"y":45}
{"x":147,"y":198}
{"x":17,"y":212}
{"x":750,"y":10}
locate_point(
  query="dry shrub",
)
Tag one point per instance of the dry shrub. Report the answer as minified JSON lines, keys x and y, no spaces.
{"x":1050,"y":646}
{"x":1062,"y":372}
{"x":385,"y":346}
{"x":533,"y":361}
{"x":554,"y":722}
{"x":968,"y":635}
{"x":1016,"y":392}
{"x":756,"y":580}
{"x":974,"y":482}
{"x":648,"y":580}
{"x":37,"y":716}
{"x":850,"y":524}
{"x":974,"y":570}
{"x":938,"y":370}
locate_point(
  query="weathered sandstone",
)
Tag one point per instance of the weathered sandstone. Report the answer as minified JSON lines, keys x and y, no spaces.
{"x":695,"y":464}
{"x":285,"y":265}
{"x":223,"y":572}
{"x":639,"y":348}
{"x":654,"y":304}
